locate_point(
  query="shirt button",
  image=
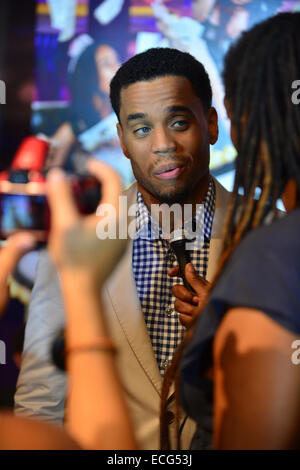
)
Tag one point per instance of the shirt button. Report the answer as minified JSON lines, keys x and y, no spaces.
{"x":165,"y":364}
{"x":169,"y":311}
{"x":171,"y":257}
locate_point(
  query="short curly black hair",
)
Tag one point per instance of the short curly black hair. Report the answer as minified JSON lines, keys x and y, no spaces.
{"x":161,"y":62}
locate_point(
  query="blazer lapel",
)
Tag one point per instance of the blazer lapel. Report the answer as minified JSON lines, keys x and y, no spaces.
{"x":216,"y":241}
{"x":215,"y":249}
{"x":123,"y":297}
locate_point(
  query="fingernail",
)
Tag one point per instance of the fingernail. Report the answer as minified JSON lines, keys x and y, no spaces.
{"x":196,"y":300}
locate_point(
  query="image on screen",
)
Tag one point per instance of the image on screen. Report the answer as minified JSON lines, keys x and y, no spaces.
{"x":81,"y":43}
{"x":19,"y":211}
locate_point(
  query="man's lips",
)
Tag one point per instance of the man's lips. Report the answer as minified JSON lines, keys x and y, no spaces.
{"x":169,"y":171}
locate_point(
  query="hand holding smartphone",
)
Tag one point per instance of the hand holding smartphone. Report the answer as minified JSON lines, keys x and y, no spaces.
{"x":23,"y":200}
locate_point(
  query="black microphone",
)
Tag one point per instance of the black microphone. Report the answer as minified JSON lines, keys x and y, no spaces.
{"x":177,"y":242}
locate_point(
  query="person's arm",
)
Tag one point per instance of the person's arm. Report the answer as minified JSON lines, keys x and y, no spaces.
{"x":41,"y":387}
{"x":17,"y":245}
{"x":97,"y":413}
{"x":18,"y":433}
{"x":256,"y":385}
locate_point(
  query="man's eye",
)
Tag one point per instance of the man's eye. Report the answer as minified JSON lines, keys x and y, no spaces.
{"x":142,"y":130}
{"x":180,"y":125}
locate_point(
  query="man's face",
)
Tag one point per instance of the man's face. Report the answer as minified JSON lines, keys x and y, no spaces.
{"x":165,"y":133}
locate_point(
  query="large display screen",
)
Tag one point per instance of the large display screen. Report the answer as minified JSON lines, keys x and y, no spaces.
{"x":80,"y":45}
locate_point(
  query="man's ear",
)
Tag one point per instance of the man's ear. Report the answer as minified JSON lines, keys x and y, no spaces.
{"x":121,"y":138}
{"x":213,"y":128}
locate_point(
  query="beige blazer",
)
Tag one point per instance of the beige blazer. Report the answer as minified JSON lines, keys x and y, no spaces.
{"x":41,"y":388}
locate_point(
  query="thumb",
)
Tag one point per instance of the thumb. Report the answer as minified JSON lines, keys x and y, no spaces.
{"x":196,"y":282}
{"x":17,"y":245}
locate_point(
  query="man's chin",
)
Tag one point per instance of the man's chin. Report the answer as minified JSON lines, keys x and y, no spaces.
{"x":171,"y":197}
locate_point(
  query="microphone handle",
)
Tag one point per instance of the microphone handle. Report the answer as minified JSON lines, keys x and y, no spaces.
{"x":183,"y":258}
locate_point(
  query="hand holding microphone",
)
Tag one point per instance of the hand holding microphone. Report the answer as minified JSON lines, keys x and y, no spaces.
{"x":177,"y":242}
{"x":191,"y":295}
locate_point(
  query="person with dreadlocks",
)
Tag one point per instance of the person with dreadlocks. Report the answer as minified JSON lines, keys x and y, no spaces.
{"x":236,"y":369}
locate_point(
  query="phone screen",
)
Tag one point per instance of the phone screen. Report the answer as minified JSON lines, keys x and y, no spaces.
{"x":23,"y":212}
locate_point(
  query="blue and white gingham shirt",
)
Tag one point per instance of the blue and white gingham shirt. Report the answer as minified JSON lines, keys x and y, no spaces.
{"x":151,"y":259}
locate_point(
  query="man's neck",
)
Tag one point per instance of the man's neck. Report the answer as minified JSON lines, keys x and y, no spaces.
{"x":197,"y":197}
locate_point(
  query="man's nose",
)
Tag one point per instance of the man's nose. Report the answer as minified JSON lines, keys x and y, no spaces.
{"x":163,"y":141}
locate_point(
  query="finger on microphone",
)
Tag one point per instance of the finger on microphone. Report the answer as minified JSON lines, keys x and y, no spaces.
{"x":61,"y":201}
{"x":184,"y":307}
{"x":198,"y":284}
{"x":185,"y":320}
{"x":182,"y":293}
{"x":174,"y":272}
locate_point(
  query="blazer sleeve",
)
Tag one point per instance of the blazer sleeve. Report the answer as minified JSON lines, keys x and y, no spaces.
{"x":41,"y":387}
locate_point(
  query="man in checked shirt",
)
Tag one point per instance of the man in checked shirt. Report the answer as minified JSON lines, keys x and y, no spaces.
{"x":162,"y":99}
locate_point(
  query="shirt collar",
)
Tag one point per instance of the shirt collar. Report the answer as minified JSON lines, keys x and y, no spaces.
{"x":147,"y":227}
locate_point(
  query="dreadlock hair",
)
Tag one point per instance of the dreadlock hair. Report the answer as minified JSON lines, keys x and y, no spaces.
{"x":258,"y":75}
{"x":161,"y":62}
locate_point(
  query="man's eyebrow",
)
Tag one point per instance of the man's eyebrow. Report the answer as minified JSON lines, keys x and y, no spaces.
{"x":133,"y":117}
{"x":178,"y":108}
{"x":169,"y":109}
